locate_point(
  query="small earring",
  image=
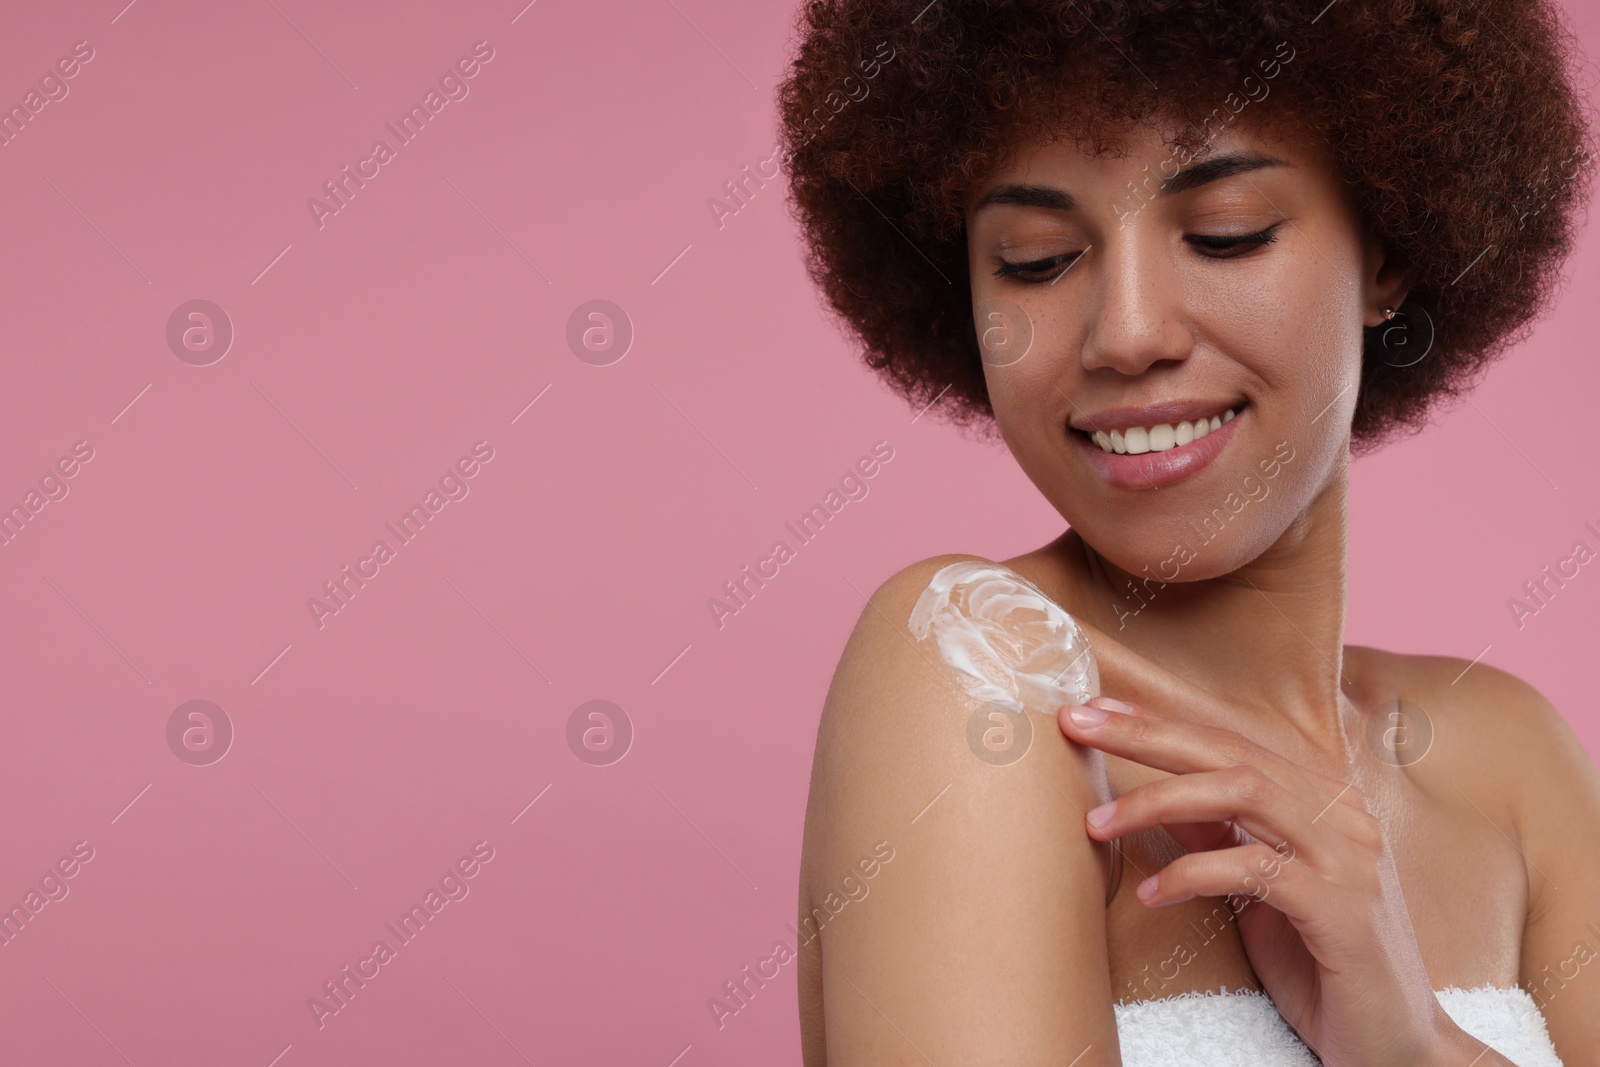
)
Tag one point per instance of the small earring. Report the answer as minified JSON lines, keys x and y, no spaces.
{"x":1404,"y":342}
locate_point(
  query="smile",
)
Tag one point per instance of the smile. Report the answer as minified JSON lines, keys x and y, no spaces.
{"x":1134,"y":440}
{"x":1162,"y":454}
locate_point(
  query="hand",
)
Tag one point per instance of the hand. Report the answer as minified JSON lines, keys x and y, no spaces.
{"x":1333,"y":946}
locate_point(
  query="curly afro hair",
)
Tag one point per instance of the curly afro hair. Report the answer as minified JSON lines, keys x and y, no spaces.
{"x":1457,"y":123}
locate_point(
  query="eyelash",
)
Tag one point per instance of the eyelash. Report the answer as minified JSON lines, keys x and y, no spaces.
{"x":1221,"y":244}
{"x":1261,"y":237}
{"x":1038,"y":266}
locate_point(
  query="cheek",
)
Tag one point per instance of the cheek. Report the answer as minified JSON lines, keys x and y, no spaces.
{"x":1255,"y":316}
{"x":1296,"y":331}
{"x":1015,"y":397}
{"x":1022,"y":349}
{"x":1312,"y":364}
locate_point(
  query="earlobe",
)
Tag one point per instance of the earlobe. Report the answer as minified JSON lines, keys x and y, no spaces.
{"x":1387,"y":305}
{"x":1384,"y":280}
{"x":1389,"y":284}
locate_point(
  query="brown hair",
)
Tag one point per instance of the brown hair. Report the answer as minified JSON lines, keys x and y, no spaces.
{"x":1458,"y":125}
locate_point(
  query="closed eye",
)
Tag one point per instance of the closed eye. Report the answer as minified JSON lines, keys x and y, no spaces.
{"x":1225,"y":244}
{"x":1035,"y":267}
{"x":1214,"y":246}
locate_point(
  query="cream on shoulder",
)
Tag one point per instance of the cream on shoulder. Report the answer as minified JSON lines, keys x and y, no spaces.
{"x":1010,"y":643}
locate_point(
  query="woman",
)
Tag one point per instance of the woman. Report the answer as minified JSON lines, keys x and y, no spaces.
{"x":1092,"y":224}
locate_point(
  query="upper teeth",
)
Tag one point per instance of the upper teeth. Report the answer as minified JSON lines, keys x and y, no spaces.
{"x":1137,"y":439}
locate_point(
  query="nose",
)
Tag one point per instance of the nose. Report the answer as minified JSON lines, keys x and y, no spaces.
{"x":1136,"y":315}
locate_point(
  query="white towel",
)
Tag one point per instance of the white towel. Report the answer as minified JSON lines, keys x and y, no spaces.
{"x":1243,"y":1029}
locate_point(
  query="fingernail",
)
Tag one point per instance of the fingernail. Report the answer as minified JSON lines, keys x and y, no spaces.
{"x":1102,"y":815}
{"x":1147,"y":888}
{"x":1114,"y":705}
{"x":1087,"y":716}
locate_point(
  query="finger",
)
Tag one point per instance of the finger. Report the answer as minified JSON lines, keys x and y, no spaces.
{"x":1323,"y":912}
{"x":1135,"y":733}
{"x":1243,"y":796}
{"x":1348,"y":812}
{"x":1184,"y":747}
{"x":1207,"y":836}
{"x":1254,"y":871}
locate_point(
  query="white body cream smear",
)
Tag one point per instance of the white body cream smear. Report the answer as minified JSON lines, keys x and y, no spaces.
{"x":1012,"y":645}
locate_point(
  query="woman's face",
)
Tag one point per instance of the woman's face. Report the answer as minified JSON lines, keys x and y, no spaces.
{"x":1134,"y":310}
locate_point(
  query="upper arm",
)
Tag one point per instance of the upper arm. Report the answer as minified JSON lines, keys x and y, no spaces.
{"x":1557,"y":810}
{"x":983,"y":939}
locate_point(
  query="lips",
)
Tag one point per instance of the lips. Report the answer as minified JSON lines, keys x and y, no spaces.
{"x":1165,"y":411}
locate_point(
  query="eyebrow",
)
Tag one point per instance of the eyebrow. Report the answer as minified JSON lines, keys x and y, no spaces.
{"x":1202,"y":173}
{"x":1224,"y":166}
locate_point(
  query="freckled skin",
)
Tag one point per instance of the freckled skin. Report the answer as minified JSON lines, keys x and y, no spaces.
{"x":997,"y":886}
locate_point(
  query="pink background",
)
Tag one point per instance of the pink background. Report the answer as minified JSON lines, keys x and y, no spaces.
{"x":425,"y":716}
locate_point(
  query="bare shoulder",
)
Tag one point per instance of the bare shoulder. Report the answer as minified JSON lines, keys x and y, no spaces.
{"x":1478,"y":715}
{"x":1497,"y":741}
{"x":993,"y":882}
{"x":894,"y":727}
{"x":883,"y":675}
{"x":882,"y":655}
{"x":1502,"y":742}
{"x":895,"y":708}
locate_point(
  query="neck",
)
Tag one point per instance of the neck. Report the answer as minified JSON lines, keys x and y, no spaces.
{"x":1267,"y":639}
